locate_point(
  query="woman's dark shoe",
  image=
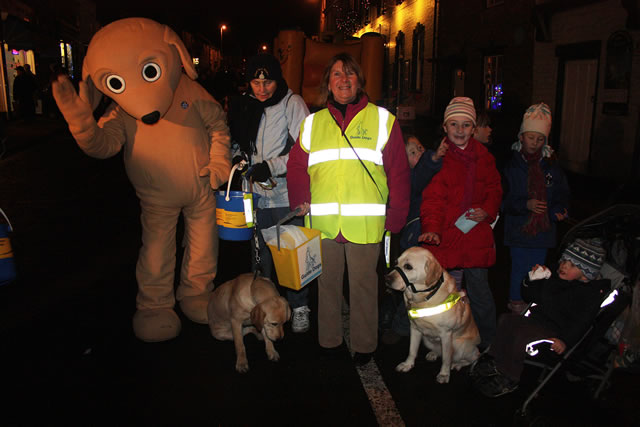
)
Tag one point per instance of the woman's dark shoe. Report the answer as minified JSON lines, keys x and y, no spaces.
{"x":334,"y":353}
{"x":361,"y":358}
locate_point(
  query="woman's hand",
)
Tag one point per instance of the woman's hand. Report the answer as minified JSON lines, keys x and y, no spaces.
{"x":558,"y":345}
{"x":429,"y":238}
{"x":536,"y":206}
{"x":477,"y":215}
{"x":302,"y":209}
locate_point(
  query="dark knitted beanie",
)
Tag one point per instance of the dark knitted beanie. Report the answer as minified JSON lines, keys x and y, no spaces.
{"x":587,"y":255}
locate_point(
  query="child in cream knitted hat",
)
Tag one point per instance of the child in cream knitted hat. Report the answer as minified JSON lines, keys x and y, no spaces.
{"x":536,"y":200}
{"x":535,"y":122}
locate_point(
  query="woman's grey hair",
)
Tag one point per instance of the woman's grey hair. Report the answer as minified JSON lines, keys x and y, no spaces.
{"x":349,"y":64}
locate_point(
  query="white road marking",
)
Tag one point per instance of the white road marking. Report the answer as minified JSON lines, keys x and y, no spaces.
{"x":379,"y":396}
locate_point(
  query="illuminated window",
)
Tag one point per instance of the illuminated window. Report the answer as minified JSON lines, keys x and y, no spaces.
{"x":493,"y":82}
{"x":399,"y":60}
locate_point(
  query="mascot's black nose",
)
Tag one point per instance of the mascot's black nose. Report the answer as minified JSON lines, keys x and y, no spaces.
{"x":151,"y":118}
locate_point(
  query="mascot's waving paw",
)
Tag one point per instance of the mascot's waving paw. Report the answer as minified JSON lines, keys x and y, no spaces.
{"x":72,"y":106}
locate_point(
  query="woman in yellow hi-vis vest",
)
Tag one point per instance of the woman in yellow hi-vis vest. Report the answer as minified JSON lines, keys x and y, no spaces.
{"x":349,"y":172}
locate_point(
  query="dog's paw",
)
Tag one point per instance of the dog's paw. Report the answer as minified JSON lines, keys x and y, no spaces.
{"x":442,"y":378}
{"x":431,"y":356}
{"x":242,"y":366}
{"x":404,"y":366}
{"x":274,"y":356}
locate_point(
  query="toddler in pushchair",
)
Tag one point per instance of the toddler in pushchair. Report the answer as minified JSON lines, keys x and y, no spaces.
{"x":566,"y":303}
{"x":571,"y":311}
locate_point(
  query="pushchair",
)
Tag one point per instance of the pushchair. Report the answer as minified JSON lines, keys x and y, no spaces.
{"x":592,"y":358}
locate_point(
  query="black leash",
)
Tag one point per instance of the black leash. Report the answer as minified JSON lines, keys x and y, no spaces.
{"x":433,"y":289}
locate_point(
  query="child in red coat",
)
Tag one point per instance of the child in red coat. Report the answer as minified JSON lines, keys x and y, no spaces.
{"x":458,"y":207}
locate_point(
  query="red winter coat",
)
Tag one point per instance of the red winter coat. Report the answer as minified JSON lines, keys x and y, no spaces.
{"x":441,"y":207}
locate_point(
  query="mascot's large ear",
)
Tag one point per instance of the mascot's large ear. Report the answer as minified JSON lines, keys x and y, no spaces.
{"x":95,"y":96}
{"x":172,"y":39}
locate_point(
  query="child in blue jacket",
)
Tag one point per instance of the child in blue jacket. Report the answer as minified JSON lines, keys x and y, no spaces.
{"x":536,"y":198}
{"x":424,"y":165}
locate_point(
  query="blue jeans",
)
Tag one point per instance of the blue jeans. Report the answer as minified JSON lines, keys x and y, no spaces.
{"x":522,"y":259}
{"x":268,"y":218}
{"x":483,"y":307}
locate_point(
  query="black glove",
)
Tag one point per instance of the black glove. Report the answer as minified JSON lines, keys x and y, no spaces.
{"x":237,"y":159}
{"x":259,"y":172}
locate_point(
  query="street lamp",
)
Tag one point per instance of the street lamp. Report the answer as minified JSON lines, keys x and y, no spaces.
{"x":222,"y":28}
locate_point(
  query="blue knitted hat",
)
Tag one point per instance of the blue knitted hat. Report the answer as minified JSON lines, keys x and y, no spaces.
{"x":587,"y":255}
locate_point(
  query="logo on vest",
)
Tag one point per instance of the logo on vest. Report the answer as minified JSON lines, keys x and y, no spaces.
{"x":361,"y":133}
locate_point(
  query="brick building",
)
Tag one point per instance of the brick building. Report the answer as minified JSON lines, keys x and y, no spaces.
{"x":581,"y":57}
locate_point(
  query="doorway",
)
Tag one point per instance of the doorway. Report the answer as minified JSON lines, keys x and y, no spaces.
{"x":577,"y":89}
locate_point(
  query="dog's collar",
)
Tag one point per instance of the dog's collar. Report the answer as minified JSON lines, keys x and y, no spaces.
{"x":449,"y":302}
{"x":433,"y":289}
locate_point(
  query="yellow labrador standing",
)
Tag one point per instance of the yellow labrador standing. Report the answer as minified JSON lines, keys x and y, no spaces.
{"x":244,"y":305}
{"x":439,"y":314}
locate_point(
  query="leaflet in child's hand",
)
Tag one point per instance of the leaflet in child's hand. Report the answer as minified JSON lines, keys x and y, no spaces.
{"x":465,"y":224}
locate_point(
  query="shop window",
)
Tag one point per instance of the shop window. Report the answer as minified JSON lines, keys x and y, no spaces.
{"x":66,"y":58}
{"x":493,"y":82}
{"x":417,"y":56}
{"x":617,"y":79}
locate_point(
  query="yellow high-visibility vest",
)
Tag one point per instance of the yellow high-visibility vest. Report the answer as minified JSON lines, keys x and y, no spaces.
{"x":343,"y":196}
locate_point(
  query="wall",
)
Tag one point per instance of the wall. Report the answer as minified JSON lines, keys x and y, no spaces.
{"x":614,"y":137}
{"x":468,"y":31}
{"x":405,"y":17}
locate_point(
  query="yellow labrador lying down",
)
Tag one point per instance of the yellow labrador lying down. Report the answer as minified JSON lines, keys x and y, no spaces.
{"x":244,"y":305}
{"x":438,"y":313}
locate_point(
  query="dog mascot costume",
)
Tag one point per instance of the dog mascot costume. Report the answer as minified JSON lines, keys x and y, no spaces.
{"x":176,"y":150}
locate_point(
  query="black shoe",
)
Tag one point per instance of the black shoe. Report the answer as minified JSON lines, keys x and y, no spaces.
{"x":496,"y":385}
{"x":484,"y":366}
{"x":361,"y":359}
{"x":334,"y":353}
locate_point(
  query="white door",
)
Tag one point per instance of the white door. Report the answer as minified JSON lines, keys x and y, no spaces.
{"x":577,"y":114}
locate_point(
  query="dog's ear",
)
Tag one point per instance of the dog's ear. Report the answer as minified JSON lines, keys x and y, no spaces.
{"x":432,"y":270}
{"x":257,"y":317}
{"x":172,"y":39}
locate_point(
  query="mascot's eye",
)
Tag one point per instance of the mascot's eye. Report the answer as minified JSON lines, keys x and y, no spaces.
{"x":151,"y":72}
{"x":408,"y":267}
{"x":115,"y":83}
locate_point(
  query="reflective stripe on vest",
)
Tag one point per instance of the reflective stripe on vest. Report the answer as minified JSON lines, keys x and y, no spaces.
{"x":362,"y":209}
{"x":351,"y":204}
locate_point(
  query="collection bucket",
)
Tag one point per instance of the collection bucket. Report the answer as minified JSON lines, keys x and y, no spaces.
{"x":235,"y":212}
{"x":7,"y":265}
{"x":230,"y":215}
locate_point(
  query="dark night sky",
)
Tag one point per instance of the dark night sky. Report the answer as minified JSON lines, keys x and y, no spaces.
{"x":250,"y":22}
